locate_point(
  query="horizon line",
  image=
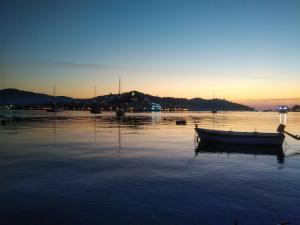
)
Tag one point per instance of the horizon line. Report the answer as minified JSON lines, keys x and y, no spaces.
{"x":247,"y":99}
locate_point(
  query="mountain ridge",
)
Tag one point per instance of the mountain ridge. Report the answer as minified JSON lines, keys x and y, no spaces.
{"x":133,"y":100}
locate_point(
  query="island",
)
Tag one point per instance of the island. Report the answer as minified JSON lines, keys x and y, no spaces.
{"x":130,"y":101}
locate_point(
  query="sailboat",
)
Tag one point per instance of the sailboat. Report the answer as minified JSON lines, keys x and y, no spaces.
{"x":119,"y":111}
{"x":53,"y":108}
{"x":94,"y":108}
{"x":214,"y":108}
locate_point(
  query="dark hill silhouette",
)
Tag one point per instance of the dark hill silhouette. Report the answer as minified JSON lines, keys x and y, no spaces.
{"x":133,"y":100}
{"x":18,"y":97}
{"x":296,"y":108}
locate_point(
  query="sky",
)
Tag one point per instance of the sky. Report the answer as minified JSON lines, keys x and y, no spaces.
{"x":240,"y":50}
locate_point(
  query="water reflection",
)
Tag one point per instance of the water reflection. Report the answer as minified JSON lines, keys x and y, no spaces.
{"x":156,"y":117}
{"x":69,"y":162}
{"x":119,"y":140}
{"x":283,"y":118}
{"x":206,"y":147}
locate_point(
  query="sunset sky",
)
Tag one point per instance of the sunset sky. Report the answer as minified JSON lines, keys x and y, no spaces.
{"x":242,"y":50}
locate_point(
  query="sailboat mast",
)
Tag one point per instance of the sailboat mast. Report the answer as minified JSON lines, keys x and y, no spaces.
{"x":119,"y":86}
{"x":54,"y":94}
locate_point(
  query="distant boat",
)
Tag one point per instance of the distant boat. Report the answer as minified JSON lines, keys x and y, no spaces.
{"x":95,"y":109}
{"x":54,"y":108}
{"x":155,"y":107}
{"x":119,"y":111}
{"x":244,"y":138}
{"x":282,"y":109}
{"x":214,"y":110}
{"x":181,"y":122}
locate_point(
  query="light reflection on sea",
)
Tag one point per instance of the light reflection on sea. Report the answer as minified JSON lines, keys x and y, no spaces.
{"x":76,"y":168}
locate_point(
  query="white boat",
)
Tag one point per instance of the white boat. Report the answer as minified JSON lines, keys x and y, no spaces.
{"x":244,"y":138}
{"x":282,"y":109}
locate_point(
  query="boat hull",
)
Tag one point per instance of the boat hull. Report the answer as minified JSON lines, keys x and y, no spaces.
{"x":244,"y":138}
{"x":95,"y":111}
{"x":55,"y":110}
{"x":120,"y":113}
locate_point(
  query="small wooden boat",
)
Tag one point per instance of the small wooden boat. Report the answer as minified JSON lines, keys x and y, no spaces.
{"x":3,"y":122}
{"x":95,"y":111}
{"x":54,"y":109}
{"x":120,"y":113}
{"x":244,"y":138}
{"x":282,"y":109}
{"x":181,"y":122}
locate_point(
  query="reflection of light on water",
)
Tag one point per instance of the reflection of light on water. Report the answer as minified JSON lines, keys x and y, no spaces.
{"x":95,"y":126}
{"x":119,"y":140}
{"x":156,"y":117}
{"x":283,"y":118}
{"x":54,"y":127}
{"x":156,"y":158}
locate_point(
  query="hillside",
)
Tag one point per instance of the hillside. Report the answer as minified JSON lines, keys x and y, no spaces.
{"x":133,"y":100}
{"x":17,"y":97}
{"x":296,"y":108}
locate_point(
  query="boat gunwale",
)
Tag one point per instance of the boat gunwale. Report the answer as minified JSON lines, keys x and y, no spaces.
{"x":238,"y":133}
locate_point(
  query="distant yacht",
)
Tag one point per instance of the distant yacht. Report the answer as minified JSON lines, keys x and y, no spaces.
{"x":95,"y":109}
{"x":155,"y":107}
{"x":282,"y":109}
{"x":54,"y":108}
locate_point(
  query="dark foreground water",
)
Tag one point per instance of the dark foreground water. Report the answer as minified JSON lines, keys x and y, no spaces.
{"x":73,"y":168}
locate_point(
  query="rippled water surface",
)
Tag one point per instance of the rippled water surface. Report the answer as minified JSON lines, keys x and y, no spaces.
{"x":76,"y":168}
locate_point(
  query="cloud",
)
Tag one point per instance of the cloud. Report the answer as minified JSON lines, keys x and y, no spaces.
{"x":74,"y":64}
{"x":141,"y":70}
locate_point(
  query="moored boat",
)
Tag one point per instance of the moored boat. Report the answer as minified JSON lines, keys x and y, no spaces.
{"x":181,"y":122}
{"x":95,"y":108}
{"x":54,"y":109}
{"x":245,"y":138}
{"x":120,"y":113}
{"x":95,"y":111}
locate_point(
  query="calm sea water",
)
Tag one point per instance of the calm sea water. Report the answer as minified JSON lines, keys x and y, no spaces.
{"x":74,"y":168}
